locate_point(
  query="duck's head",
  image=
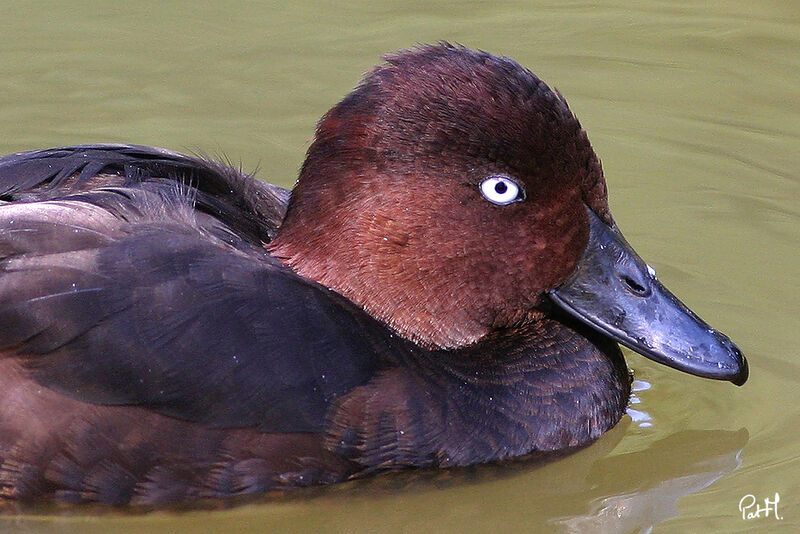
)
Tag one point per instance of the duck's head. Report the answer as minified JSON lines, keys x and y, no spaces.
{"x":453,"y":196}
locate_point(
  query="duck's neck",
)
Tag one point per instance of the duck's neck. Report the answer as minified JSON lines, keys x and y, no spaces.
{"x":548,"y":388}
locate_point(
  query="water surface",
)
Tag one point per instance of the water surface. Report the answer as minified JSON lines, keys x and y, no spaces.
{"x":694,"y":109}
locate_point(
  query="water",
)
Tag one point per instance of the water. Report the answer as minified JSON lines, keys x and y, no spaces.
{"x":694,"y":109}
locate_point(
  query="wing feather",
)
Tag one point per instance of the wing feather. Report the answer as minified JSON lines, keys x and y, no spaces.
{"x":138,"y":276}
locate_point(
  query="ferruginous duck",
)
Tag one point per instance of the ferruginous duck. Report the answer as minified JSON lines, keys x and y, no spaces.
{"x":444,"y":286}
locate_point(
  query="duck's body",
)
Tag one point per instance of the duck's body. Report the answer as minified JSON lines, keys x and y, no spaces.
{"x":167,"y":334}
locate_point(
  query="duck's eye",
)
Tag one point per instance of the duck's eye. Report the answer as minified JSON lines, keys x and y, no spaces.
{"x":501,"y":190}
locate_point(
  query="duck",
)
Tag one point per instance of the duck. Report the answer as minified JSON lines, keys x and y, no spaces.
{"x":444,"y":286}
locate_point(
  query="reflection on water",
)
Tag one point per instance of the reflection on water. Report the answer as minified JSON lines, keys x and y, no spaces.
{"x":638,"y":416}
{"x":679,"y":468}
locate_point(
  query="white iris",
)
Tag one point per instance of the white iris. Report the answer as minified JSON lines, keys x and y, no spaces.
{"x":500,"y":190}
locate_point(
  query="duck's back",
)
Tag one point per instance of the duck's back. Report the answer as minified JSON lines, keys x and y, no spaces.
{"x":150,"y":348}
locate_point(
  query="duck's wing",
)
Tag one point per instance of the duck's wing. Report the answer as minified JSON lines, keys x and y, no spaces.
{"x":137,"y":276}
{"x":250,"y":207}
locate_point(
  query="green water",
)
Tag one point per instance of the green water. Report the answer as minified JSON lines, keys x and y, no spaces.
{"x":693,"y":107}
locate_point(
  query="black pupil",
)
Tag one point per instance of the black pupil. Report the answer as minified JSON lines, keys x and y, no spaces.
{"x":500,"y":188}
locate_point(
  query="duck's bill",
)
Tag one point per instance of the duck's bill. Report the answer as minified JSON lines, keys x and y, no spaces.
{"x":613,"y":291}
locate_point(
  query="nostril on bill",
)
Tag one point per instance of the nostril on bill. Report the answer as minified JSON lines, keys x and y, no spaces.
{"x":634,"y":286}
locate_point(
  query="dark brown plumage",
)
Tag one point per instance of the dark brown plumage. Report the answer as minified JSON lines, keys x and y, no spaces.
{"x":167,"y":334}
